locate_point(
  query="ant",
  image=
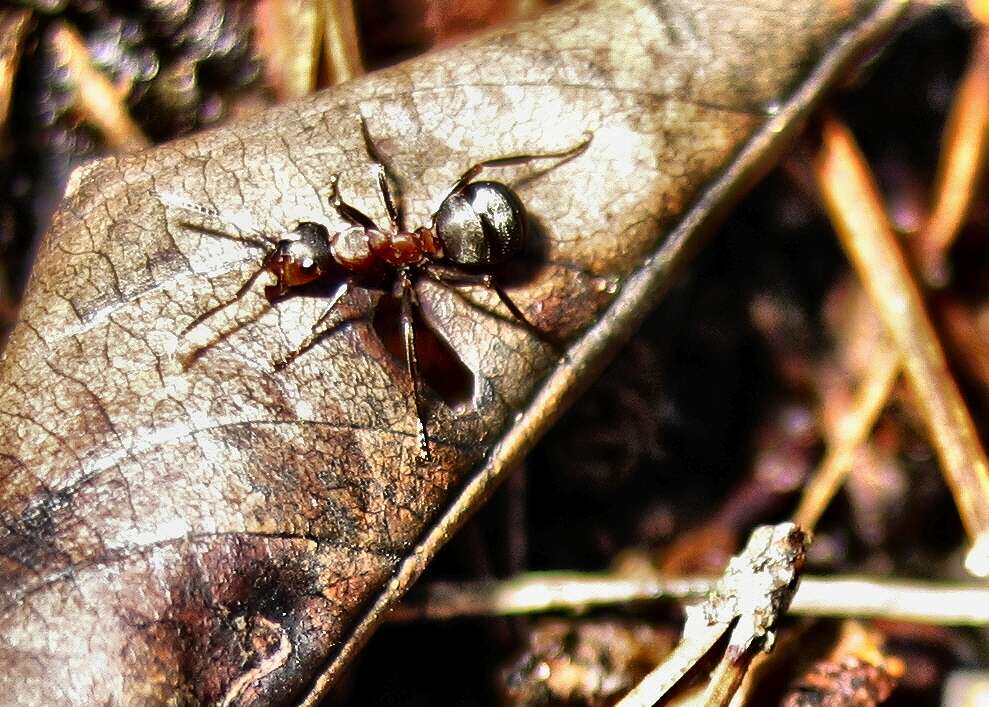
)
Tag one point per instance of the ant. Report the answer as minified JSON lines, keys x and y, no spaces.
{"x":478,"y":226}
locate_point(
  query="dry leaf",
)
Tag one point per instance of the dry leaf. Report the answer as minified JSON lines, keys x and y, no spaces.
{"x":228,"y":533}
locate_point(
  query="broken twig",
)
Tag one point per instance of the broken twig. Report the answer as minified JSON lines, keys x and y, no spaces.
{"x":752,"y":594}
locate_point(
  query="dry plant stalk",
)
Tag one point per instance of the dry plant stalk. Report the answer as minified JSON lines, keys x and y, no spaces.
{"x":298,"y":36}
{"x":341,"y":51}
{"x":963,"y":156}
{"x":842,"y":596}
{"x":13,"y":25}
{"x":855,"y":207}
{"x":289,"y":36}
{"x":527,"y":8}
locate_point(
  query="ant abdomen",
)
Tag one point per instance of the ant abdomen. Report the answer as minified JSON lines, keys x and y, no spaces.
{"x":481,"y":224}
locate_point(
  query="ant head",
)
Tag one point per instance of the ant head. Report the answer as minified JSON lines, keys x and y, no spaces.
{"x":483,"y":223}
{"x":302,"y":255}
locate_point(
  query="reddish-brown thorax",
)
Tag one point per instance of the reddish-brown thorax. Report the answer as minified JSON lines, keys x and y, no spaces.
{"x":404,"y":248}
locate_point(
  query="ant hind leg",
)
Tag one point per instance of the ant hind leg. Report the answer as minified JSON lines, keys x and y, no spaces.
{"x":460,"y":279}
{"x":412,"y":361}
{"x":511,"y":160}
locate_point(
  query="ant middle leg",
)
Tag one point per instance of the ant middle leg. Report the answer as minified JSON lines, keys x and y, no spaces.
{"x":385,"y":174}
{"x":460,"y":278}
{"x":349,"y":213}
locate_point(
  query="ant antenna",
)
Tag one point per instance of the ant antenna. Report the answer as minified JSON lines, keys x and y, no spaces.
{"x":239,"y":221}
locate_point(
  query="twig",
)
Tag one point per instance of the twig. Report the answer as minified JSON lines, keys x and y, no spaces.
{"x":96,"y":99}
{"x":728,"y":675}
{"x":543,"y":591}
{"x":939,"y":603}
{"x":948,"y":604}
{"x":849,"y":433}
{"x":660,"y":681}
{"x":853,"y":203}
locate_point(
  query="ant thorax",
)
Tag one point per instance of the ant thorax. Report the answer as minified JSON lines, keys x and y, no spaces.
{"x":362,"y":249}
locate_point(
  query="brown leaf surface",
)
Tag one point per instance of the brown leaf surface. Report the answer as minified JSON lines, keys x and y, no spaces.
{"x":229,"y":533}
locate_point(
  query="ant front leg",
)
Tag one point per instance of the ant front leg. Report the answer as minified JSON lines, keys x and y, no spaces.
{"x":316,"y":334}
{"x":409,"y":300}
{"x":469,"y":279}
{"x":244,"y":289}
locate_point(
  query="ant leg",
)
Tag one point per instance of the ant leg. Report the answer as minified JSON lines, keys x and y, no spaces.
{"x":396,"y":217}
{"x":244,"y":289}
{"x":458,"y":279}
{"x":197,"y":353}
{"x":476,"y":169}
{"x":347,"y":212}
{"x":385,"y":174}
{"x":315,"y":334}
{"x":412,"y":361}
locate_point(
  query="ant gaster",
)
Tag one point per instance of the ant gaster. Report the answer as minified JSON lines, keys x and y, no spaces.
{"x":478,"y":226}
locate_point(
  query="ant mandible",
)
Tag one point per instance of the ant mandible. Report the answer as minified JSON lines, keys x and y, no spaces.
{"x":478,"y":226}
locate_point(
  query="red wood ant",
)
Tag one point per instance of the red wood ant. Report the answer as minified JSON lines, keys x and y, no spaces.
{"x":479,"y":225}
